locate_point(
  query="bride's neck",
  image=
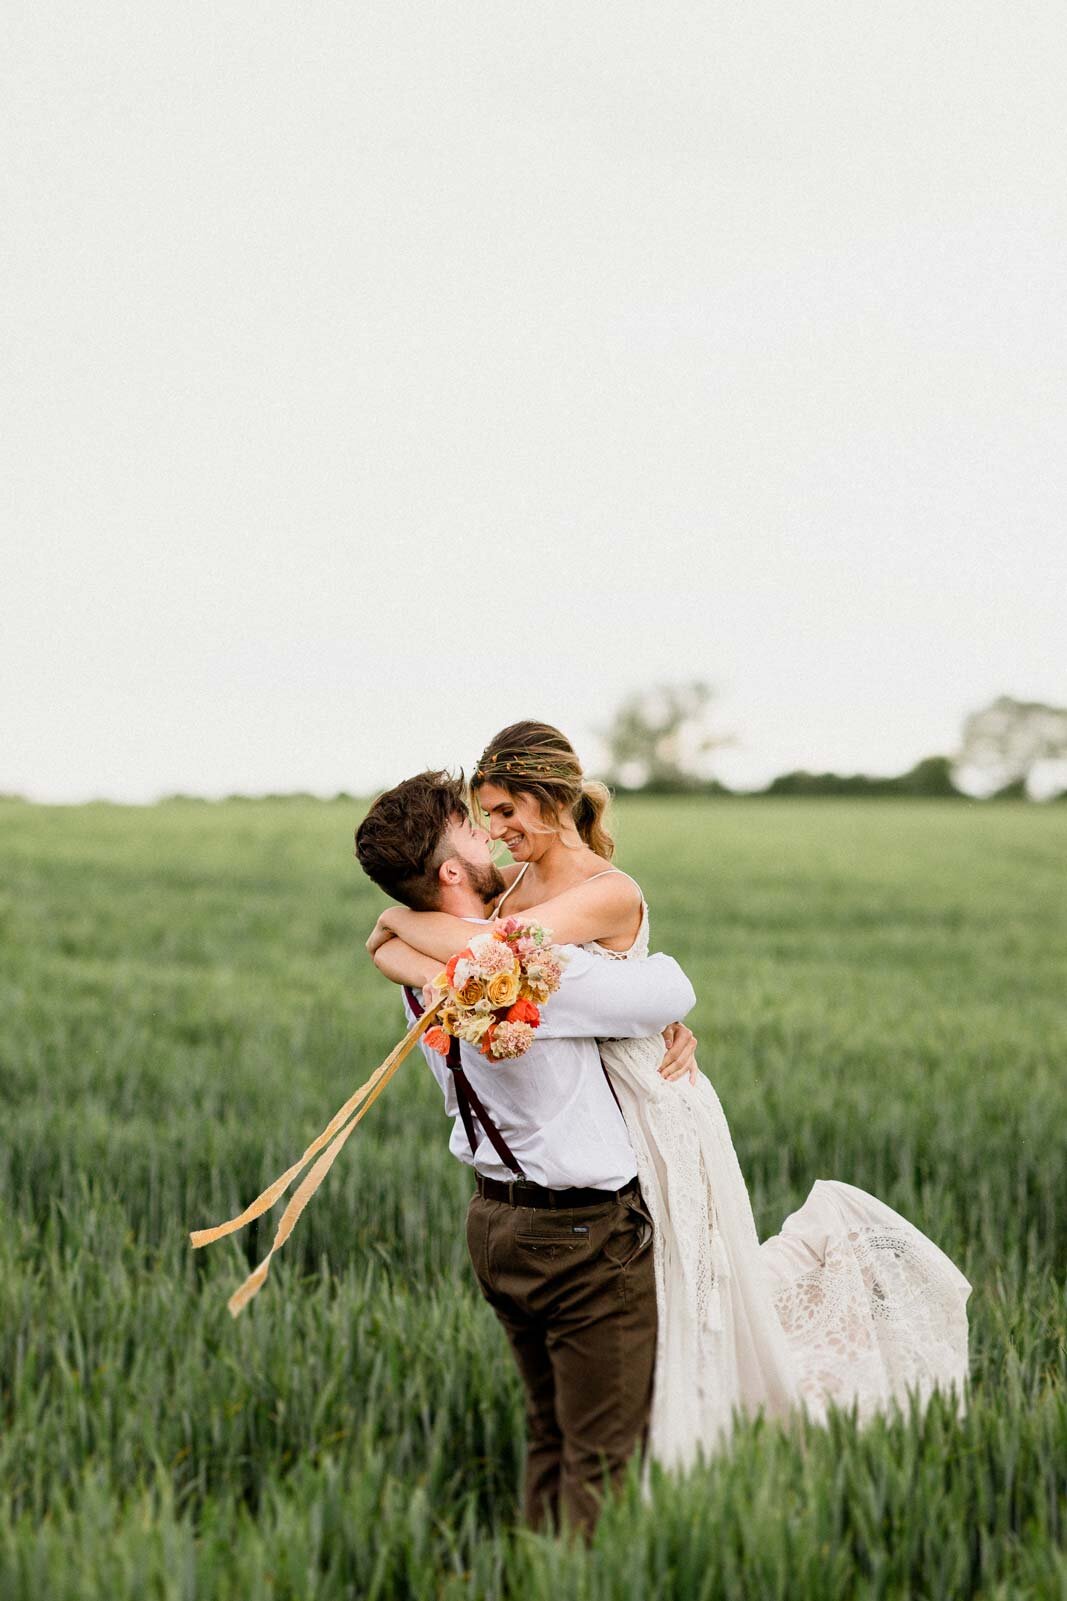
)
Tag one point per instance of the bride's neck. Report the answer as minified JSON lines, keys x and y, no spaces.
{"x":557,"y":869}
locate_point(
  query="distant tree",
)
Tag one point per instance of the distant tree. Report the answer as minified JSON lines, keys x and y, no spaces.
{"x":1008,"y":739}
{"x":658,"y":737}
{"x":930,"y":777}
{"x":1015,"y":791}
{"x":800,"y":782}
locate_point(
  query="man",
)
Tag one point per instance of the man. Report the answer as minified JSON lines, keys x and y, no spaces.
{"x":558,"y":1233}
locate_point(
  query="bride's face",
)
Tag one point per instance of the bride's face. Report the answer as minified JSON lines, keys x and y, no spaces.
{"x":517,"y":821}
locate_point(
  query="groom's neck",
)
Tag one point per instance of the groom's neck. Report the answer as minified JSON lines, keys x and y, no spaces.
{"x":460,"y":901}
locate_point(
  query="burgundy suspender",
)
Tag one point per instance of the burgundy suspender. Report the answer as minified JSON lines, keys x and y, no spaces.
{"x":470,"y":1107}
{"x":465,"y":1092}
{"x":452,"y":1062}
{"x":611,"y":1086}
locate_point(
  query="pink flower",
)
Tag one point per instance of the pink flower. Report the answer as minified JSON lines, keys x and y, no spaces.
{"x":511,"y":1039}
{"x":546,"y":967}
{"x":490,"y":956}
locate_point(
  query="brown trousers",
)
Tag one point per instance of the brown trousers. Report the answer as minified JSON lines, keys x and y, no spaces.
{"x":576,"y":1294}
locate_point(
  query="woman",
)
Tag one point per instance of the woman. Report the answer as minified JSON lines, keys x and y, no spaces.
{"x":850,"y":1303}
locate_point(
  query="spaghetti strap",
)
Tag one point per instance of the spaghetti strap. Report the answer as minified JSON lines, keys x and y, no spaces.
{"x":516,"y":880}
{"x":522,"y":872}
{"x":604,"y":874}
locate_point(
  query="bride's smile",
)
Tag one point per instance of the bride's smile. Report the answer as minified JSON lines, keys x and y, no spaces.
{"x":515,"y":821}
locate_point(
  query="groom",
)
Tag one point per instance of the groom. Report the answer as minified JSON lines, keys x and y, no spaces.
{"x":557,"y":1230}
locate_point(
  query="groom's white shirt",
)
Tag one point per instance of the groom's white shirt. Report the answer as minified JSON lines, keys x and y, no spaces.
{"x":554,"y":1105}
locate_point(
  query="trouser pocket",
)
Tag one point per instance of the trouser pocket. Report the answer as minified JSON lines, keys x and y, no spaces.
{"x":631,"y":1234}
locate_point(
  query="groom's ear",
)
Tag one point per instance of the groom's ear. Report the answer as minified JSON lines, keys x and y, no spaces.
{"x":450,"y":872}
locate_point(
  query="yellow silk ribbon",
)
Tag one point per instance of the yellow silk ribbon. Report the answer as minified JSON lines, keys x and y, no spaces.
{"x":364,"y":1098}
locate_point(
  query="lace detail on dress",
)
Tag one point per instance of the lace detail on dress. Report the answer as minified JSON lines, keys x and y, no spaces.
{"x":871,"y":1307}
{"x":850,"y":1303}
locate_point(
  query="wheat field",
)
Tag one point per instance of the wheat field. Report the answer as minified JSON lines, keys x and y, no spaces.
{"x":186,"y":1000}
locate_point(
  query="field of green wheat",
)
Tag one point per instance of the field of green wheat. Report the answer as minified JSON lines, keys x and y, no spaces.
{"x":184,"y":1001}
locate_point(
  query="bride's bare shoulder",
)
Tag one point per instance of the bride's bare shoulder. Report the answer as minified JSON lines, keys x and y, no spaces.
{"x":613,"y":881}
{"x":510,"y":873}
{"x":620,"y":904}
{"x":613,"y":889}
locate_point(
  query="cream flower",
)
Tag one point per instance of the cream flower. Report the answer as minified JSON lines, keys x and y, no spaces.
{"x":471,"y":1028}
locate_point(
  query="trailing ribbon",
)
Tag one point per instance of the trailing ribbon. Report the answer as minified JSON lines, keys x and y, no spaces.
{"x":364,"y":1098}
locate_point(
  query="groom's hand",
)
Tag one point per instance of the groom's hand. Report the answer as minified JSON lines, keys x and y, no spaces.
{"x":681,"y":1057}
{"x":379,"y":935}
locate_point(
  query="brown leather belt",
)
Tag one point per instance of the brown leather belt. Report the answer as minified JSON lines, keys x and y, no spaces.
{"x":519,"y":1192}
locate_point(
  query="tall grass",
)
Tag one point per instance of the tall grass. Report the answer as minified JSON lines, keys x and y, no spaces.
{"x":184,"y":999}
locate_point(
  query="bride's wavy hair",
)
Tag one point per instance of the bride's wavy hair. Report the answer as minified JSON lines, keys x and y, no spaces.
{"x":536,"y":759}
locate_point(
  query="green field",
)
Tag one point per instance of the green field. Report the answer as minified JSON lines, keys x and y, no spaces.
{"x":186,"y":999}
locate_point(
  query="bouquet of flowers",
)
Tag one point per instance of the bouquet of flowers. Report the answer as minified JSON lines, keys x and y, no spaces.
{"x":493,"y":989}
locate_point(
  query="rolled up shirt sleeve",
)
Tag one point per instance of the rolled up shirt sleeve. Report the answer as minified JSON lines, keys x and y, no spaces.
{"x":602,"y":999}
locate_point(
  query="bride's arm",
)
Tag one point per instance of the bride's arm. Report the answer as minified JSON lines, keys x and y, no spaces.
{"x":435,"y":934}
{"x":601,"y":909}
{"x":595,"y":910}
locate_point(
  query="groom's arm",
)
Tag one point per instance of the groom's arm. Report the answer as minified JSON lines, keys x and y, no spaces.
{"x":602,"y":999}
{"x":403,"y":965}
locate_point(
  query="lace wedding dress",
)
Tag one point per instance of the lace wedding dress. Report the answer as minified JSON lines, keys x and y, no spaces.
{"x":849,"y":1303}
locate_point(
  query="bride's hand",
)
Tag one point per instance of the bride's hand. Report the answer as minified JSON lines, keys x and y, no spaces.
{"x":378,"y":936}
{"x":681,"y":1057}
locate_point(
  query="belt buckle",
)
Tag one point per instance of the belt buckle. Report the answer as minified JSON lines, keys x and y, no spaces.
{"x":517,"y":1184}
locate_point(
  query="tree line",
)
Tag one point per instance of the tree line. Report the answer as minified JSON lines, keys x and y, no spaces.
{"x":659,"y":741}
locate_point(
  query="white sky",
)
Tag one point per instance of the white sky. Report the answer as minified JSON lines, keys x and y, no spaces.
{"x":377,"y":374}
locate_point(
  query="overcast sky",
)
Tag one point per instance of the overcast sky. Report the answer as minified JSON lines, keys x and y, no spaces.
{"x":375,"y":375}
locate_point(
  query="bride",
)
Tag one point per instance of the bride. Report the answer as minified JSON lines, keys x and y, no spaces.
{"x":849,"y":1304}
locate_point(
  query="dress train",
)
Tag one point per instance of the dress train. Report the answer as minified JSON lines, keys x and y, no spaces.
{"x":849,"y":1304}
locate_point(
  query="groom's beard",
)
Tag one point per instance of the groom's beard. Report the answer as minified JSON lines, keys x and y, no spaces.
{"x":486,"y":882}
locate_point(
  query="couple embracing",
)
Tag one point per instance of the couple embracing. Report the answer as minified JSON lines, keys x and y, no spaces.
{"x":610,"y":1228}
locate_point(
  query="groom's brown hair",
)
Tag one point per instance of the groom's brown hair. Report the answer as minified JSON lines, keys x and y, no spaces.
{"x":401,"y":841}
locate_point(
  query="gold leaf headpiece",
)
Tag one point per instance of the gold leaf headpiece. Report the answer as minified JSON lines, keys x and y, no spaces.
{"x":520,"y":767}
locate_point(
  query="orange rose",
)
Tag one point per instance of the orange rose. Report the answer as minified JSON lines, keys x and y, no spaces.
{"x":472,"y":991}
{"x":524,"y":1012}
{"x":503,"y":989}
{"x":437,"y":1040}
